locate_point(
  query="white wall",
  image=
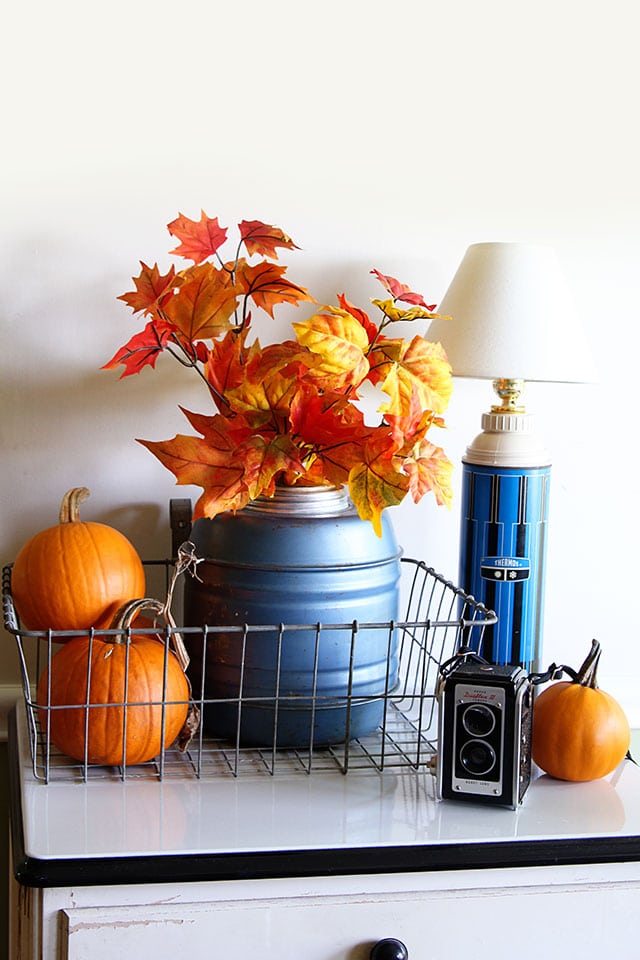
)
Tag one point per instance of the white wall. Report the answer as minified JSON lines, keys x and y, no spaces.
{"x":376,"y":134}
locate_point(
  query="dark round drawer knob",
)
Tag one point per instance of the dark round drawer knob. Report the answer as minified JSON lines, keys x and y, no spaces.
{"x":389,"y":949}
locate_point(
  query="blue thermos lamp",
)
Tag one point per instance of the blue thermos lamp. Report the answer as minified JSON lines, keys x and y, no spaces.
{"x":503,"y":529}
{"x":508,"y":317}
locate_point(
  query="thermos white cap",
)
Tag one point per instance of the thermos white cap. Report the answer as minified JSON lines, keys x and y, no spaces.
{"x":507,"y":440}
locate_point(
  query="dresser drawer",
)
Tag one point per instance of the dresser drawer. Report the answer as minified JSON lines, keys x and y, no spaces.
{"x":434,"y":924}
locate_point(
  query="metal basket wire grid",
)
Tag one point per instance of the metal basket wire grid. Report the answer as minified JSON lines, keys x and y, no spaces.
{"x":439,"y":619}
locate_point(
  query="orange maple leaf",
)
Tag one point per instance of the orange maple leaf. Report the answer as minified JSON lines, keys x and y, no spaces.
{"x":222,"y":432}
{"x":201,"y":307}
{"x":267,"y":286}
{"x":412,"y":425}
{"x":151,"y":288}
{"x":230,"y":461}
{"x":264,"y":239}
{"x":199,"y":239}
{"x":194,"y":460}
{"x":225,"y":368}
{"x":430,"y":470}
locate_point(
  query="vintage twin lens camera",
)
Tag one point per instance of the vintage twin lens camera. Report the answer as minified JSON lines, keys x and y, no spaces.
{"x":484,"y":732}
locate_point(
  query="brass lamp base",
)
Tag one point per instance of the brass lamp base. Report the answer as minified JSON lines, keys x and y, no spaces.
{"x":509,"y":391}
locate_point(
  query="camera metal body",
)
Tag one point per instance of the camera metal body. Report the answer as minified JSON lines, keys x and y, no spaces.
{"x":484,"y":732}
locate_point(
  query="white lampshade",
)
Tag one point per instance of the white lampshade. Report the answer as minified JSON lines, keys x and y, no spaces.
{"x":512,"y":316}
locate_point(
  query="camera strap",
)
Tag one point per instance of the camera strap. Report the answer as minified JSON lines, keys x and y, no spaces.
{"x":553,"y":672}
{"x":466,"y":655}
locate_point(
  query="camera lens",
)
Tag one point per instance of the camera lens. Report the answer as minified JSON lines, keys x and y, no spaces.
{"x":477,"y":758}
{"x":478,"y":720}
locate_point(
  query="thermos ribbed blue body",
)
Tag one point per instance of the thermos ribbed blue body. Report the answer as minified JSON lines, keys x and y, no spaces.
{"x":503,"y":535}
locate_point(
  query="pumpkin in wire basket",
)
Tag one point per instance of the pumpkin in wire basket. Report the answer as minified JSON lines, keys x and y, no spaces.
{"x":76,"y":574}
{"x":114,"y":699}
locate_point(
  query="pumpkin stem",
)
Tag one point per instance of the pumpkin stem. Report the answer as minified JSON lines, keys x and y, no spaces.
{"x":70,"y":506}
{"x":122,"y":621}
{"x":587,"y":673}
{"x":124,"y":617}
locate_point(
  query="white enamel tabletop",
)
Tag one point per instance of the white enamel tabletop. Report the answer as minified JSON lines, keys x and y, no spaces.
{"x":324,"y":810}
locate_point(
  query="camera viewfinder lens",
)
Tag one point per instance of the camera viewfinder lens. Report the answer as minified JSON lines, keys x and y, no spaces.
{"x":478,"y":720}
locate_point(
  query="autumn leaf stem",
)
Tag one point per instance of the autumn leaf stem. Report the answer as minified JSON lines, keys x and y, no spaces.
{"x":384,"y":323}
{"x":181,"y":360}
{"x":245,"y":304}
{"x":192,"y":363}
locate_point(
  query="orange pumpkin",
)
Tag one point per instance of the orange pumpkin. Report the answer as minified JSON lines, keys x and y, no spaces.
{"x":75,"y":575}
{"x":123,"y":690}
{"x":579,"y":731}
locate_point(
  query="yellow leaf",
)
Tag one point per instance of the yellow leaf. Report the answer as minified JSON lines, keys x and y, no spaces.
{"x":340,"y":341}
{"x":419,"y":367}
{"x":376,"y":483}
{"x":416,"y":312}
{"x":270,"y":380}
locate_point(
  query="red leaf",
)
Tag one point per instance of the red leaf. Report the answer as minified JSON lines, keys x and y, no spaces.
{"x":150,"y":287}
{"x":360,"y":316}
{"x":400,"y":291}
{"x":143,"y":349}
{"x":263,"y":239}
{"x":333,"y":430}
{"x":327,"y":419}
{"x":199,"y":239}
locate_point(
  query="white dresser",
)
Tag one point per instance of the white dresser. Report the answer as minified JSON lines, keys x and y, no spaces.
{"x":319,"y":866}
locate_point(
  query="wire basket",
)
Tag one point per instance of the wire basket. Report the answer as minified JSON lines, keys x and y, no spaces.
{"x":439,"y":619}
